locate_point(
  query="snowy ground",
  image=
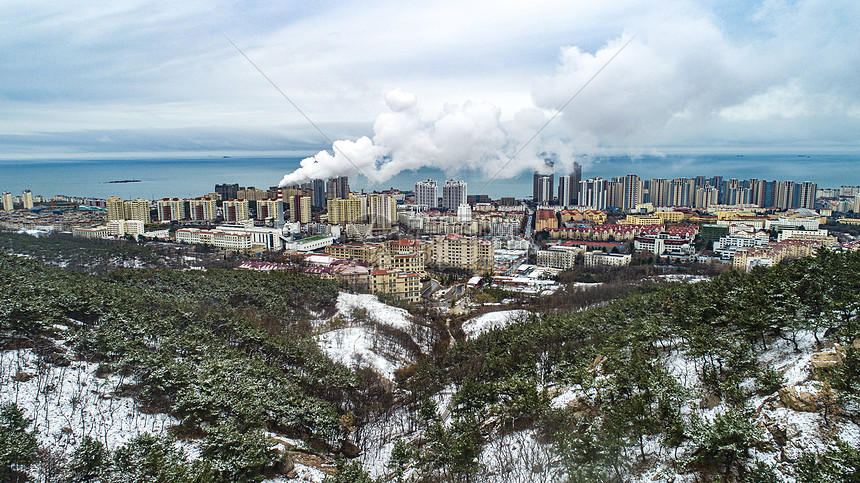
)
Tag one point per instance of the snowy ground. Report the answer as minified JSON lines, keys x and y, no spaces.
{"x":492,"y":321}
{"x":681,"y":277}
{"x":518,"y":458}
{"x":353,"y":337}
{"x":68,"y":403}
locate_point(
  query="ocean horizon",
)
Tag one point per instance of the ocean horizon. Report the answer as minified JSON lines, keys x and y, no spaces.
{"x":192,"y":177}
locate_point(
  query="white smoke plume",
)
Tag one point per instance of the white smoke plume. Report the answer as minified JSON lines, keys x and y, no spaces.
{"x":470,"y":136}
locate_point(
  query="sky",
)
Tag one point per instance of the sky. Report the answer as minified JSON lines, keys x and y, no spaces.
{"x":490,"y":86}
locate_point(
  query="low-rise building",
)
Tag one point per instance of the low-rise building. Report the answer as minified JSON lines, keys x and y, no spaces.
{"x":597,"y":258}
{"x":562,"y":257}
{"x":404,"y":286}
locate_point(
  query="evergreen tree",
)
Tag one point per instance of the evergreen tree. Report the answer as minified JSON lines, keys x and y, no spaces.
{"x":17,"y":445}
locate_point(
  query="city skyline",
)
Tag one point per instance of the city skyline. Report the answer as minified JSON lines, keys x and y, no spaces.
{"x":747,"y":76}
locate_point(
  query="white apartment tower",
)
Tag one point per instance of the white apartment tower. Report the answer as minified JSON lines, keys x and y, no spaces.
{"x":27,"y":199}
{"x":427,"y":193}
{"x":453,"y":194}
{"x":7,"y":201}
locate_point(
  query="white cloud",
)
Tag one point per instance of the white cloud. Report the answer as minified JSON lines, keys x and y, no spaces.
{"x":786,"y":101}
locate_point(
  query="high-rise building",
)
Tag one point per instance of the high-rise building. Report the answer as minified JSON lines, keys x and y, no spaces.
{"x":757,"y":191}
{"x":115,"y":208}
{"x":170,"y":209}
{"x":706,"y":197}
{"x":337,"y":188}
{"x":576,"y":177}
{"x":227,"y":191}
{"x":427,"y":193}
{"x":806,"y":195}
{"x":272,"y":209}
{"x":681,"y":192}
{"x":348,"y":210}
{"x":593,"y":193}
{"x":300,"y":208}
{"x":235,"y":210}
{"x":381,"y":210}
{"x":453,"y":194}
{"x":566,"y":191}
{"x":137,"y":209}
{"x":7,"y":201}
{"x":632,"y":192}
{"x":783,"y":195}
{"x":658,"y":192}
{"x":319,"y":199}
{"x":203,"y":209}
{"x":27,"y":199}
{"x":542,"y":188}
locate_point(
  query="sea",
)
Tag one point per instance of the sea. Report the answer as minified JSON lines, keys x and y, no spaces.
{"x":192,"y":177}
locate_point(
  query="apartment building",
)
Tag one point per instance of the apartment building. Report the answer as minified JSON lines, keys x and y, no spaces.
{"x":463,"y":252}
{"x":404,"y":286}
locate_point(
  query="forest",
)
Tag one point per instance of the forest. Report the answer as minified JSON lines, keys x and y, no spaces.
{"x":595,"y":392}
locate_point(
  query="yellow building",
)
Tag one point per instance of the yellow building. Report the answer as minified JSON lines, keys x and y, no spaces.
{"x":272,"y":209}
{"x":203,"y":209}
{"x":595,"y":216}
{"x":404,"y":286}
{"x":300,"y":208}
{"x":463,"y":252}
{"x":235,"y":210}
{"x":670,"y":216}
{"x":137,"y":209}
{"x":363,"y":252}
{"x":405,"y":262}
{"x":170,"y":209}
{"x":644,"y":220}
{"x":115,"y":208}
{"x":351,"y":210}
{"x":251,"y":194}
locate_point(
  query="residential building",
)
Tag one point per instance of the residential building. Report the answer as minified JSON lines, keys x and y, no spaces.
{"x":170,"y":209}
{"x":453,"y":194}
{"x":115,"y":208}
{"x":347,"y":210}
{"x":251,"y":194}
{"x":125,"y":227}
{"x":319,"y":199}
{"x":562,"y":257}
{"x":27,"y":199}
{"x":545,"y":220}
{"x":363,"y":252}
{"x":300,"y":208}
{"x":542,"y":189}
{"x":7,"y":201}
{"x":227,"y":191}
{"x":235,"y":210}
{"x":203,"y":209}
{"x":381,"y":211}
{"x":463,"y":252}
{"x":91,"y":233}
{"x":272,"y":210}
{"x":402,"y":285}
{"x":599,"y":258}
{"x":427,"y":193}
{"x":137,"y":209}
{"x":806,"y":195}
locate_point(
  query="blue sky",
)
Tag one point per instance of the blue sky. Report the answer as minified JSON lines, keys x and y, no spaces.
{"x":452,"y":84}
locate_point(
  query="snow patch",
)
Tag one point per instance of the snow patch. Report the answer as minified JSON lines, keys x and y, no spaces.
{"x":68,"y":403}
{"x":492,"y":321}
{"x":358,"y":347}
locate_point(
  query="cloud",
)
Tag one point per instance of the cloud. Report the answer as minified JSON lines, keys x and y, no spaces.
{"x":469,"y":136}
{"x":685,"y":81}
